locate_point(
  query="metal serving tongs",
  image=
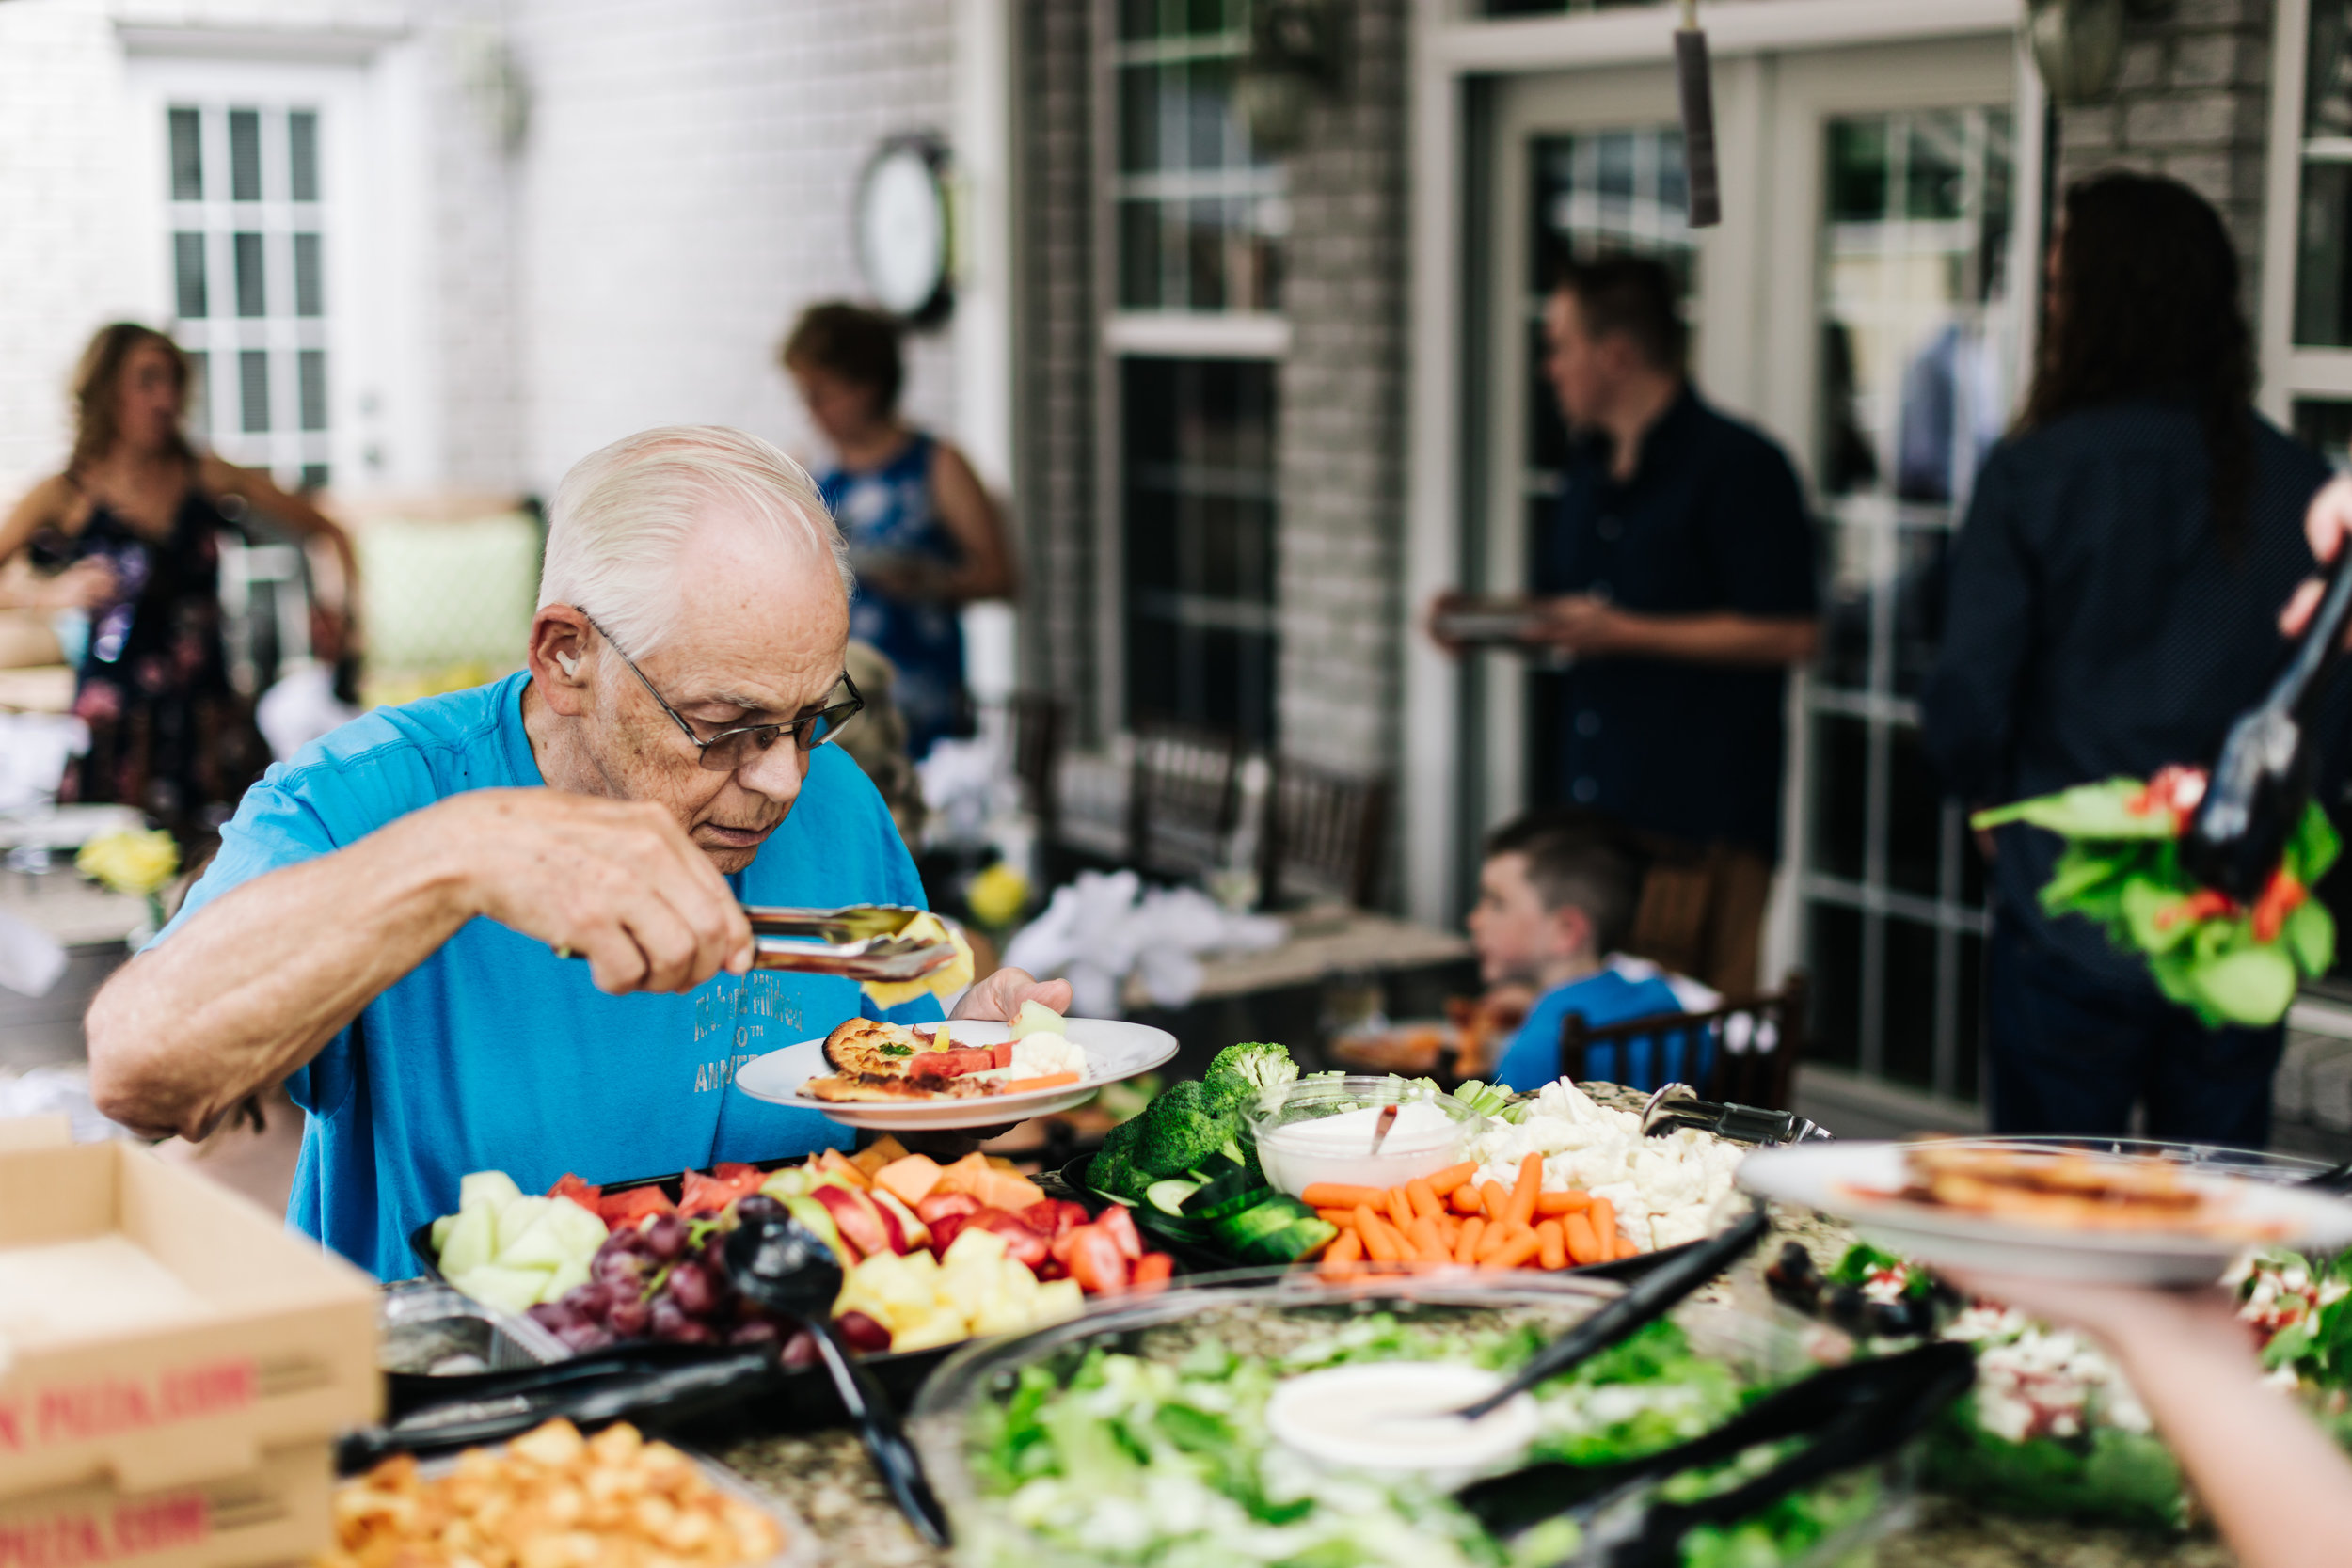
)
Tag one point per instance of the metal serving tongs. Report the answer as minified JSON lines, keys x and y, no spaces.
{"x":858,"y":942}
{"x":1680,"y":1105}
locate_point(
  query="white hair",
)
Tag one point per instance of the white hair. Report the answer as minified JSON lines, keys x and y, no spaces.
{"x":619,"y":528}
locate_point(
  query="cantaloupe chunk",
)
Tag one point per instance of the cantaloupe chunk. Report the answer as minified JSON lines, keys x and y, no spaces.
{"x":965,"y":1175}
{"x":908,"y":1179}
{"x":834,"y":1161}
{"x":1000,"y":1191}
{"x":998,"y":1162}
{"x":882,"y":1151}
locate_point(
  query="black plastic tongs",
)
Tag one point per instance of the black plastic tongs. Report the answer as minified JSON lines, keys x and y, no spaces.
{"x":2260,"y":784}
{"x":1852,"y":1414}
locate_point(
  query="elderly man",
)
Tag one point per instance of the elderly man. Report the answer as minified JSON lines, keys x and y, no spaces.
{"x":503,"y":928}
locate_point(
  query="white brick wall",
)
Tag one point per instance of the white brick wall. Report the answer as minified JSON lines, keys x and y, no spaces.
{"x":685,"y":187}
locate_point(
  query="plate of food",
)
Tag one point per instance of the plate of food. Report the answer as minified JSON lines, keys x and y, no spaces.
{"x":2030,"y":1206}
{"x":960,"y":1072}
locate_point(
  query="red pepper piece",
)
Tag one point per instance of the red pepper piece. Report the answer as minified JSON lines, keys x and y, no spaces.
{"x":2204,"y":904}
{"x":2279,"y":900}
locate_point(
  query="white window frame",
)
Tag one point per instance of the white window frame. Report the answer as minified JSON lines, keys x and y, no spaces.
{"x":2289,"y":371}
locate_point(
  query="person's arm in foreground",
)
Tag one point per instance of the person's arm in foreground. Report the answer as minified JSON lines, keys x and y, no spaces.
{"x":2278,"y":1487}
{"x":254,"y":984}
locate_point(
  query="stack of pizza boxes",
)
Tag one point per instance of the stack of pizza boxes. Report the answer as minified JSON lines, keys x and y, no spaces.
{"x":174,"y":1364}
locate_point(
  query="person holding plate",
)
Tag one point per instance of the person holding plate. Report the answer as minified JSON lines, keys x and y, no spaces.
{"x":503,"y":928}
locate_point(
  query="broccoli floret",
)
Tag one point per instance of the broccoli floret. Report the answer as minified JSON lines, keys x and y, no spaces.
{"x":1241,"y":1073}
{"x":1121,"y":1139}
{"x":1180,"y":1129}
{"x":1111,"y":1171}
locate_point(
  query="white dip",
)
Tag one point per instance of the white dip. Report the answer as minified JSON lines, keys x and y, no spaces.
{"x":1396,"y":1415}
{"x":1298,"y":1155}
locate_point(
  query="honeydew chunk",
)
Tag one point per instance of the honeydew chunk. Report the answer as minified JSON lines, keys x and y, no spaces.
{"x":508,"y":1290}
{"x":518,"y":1217}
{"x":441,"y":1227}
{"x":578,"y":1229}
{"x":471,"y":1241}
{"x":493,"y":1187}
{"x":1035,"y":1018}
{"x":567,"y":1278}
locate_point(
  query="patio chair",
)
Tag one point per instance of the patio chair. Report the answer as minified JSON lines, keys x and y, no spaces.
{"x":1040,"y":721}
{"x":1758,"y":1042}
{"x":1184,"y":799}
{"x":1325,"y":837}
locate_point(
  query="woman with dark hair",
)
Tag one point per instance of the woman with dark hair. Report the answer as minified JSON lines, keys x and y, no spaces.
{"x":2114,"y":604}
{"x":131,"y":527}
{"x":923,"y":533}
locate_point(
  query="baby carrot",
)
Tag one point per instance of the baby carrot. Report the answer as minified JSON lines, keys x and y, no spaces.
{"x":1453,"y":1177}
{"x":1604,"y":1217}
{"x":1429,"y":1244}
{"x":1376,"y":1243}
{"x":1523,"y":1209}
{"x":1424,"y":1200}
{"x":1464,"y":1199}
{"x":1552,"y":1248}
{"x":1338,"y":1259}
{"x":1491,"y":1241}
{"x":1338,"y":1194}
{"x":1466,"y":1246}
{"x":1399,"y":1209}
{"x":1561,"y":1203}
{"x":1577,"y":1230}
{"x":1340,"y":1217}
{"x":1495,"y":1199}
{"x":1516,"y":1251}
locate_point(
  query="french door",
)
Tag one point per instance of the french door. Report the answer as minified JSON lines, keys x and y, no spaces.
{"x":1861,"y":302}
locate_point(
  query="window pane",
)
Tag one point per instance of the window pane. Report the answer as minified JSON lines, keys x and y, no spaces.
{"x":1833,"y":948}
{"x":244,"y":156}
{"x":187,"y":272}
{"x":302,"y":155}
{"x":252,"y":298}
{"x":309,"y":296}
{"x":1910,"y":1003}
{"x":1915,"y":816}
{"x":1202,"y":212}
{"x":2323,"y":280}
{"x":187,"y":156}
{"x":1841,"y":766}
{"x":253,"y":391}
{"x":2327,"y":97}
{"x":314,"y":476}
{"x":199,"y":413}
{"x":2327,"y":427}
{"x":310,"y":371}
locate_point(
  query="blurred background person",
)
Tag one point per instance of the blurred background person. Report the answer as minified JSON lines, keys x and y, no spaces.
{"x":1678,"y":575}
{"x":2113,"y":606}
{"x":924,"y":535}
{"x":133,"y":526}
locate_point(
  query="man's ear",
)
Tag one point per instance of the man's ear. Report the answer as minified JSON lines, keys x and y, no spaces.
{"x":1572,"y":932}
{"x":562,"y":665}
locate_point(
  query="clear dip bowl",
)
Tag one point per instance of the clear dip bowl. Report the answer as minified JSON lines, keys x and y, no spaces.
{"x":1320,"y":1129}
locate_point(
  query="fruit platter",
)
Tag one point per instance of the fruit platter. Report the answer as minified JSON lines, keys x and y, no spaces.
{"x":1256,"y":1164}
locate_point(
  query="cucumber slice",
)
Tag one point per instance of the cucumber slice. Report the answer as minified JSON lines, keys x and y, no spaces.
{"x":1227,"y":1195}
{"x":1292,"y":1242}
{"x":1262,"y":1220}
{"x":1169,"y":1196}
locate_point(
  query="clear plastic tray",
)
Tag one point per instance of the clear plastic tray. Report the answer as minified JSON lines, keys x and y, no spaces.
{"x":429,"y":1330}
{"x":1772,"y":1347}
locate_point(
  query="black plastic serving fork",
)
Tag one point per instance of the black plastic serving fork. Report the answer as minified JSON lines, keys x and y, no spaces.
{"x":1854,"y":1413}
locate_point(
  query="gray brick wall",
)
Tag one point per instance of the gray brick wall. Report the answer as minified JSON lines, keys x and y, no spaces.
{"x":2193,"y":100}
{"x":1055,"y":433}
{"x":1342,"y":439}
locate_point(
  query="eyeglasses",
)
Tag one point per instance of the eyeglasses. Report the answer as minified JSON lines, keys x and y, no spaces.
{"x":729,"y":750}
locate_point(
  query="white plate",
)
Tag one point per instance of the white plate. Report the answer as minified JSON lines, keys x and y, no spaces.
{"x":1114,"y":1050}
{"x":1838,"y":1179}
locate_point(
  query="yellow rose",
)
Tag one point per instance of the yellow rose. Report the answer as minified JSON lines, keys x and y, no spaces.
{"x":131,"y":862}
{"x":997,"y":895}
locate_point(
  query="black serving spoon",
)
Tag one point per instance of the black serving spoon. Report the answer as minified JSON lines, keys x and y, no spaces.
{"x":1858,"y":1391}
{"x":2261,"y":782}
{"x":1648,"y":1299}
{"x":782,"y":1265}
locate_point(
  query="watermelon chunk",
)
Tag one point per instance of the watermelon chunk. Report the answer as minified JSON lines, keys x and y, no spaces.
{"x":619,"y":1209}
{"x":704,"y":1194}
{"x":582,"y":1192}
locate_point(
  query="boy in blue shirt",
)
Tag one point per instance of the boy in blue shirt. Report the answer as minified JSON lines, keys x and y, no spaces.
{"x":1555,"y":898}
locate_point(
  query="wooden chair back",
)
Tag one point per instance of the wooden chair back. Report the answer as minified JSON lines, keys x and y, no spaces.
{"x":1758,"y":1042}
{"x":1325,"y":837}
{"x":1184,"y":799}
{"x":1040,"y":722}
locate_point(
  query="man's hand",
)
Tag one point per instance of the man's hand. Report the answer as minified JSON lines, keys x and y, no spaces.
{"x":2138,"y":1320}
{"x":618,"y":883}
{"x":1584,"y":624}
{"x":2327,"y":523}
{"x":997,"y":998}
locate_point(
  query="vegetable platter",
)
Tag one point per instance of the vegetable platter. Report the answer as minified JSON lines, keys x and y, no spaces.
{"x":931,"y":1254}
{"x":1230,"y":1171}
{"x":1146,"y":1433}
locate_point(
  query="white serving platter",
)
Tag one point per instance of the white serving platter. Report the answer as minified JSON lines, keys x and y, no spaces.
{"x":1114,"y":1050}
{"x":1844,"y":1181}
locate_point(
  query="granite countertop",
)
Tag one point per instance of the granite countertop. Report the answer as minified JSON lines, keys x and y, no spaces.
{"x":825,"y":1477}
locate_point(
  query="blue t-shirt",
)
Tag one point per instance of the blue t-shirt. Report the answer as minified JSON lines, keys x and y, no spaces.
{"x":494,"y":1053}
{"x":1533,"y":1058}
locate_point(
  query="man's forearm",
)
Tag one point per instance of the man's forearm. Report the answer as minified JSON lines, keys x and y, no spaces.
{"x":1722,"y":637}
{"x":255,"y":984}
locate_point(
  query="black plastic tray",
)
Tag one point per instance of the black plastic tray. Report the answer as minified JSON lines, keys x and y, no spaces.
{"x":800,"y":1399}
{"x":1193,"y":1256}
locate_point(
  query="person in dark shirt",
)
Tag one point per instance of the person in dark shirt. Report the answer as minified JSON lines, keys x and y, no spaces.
{"x":2113,"y":606}
{"x":1679,"y":577}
